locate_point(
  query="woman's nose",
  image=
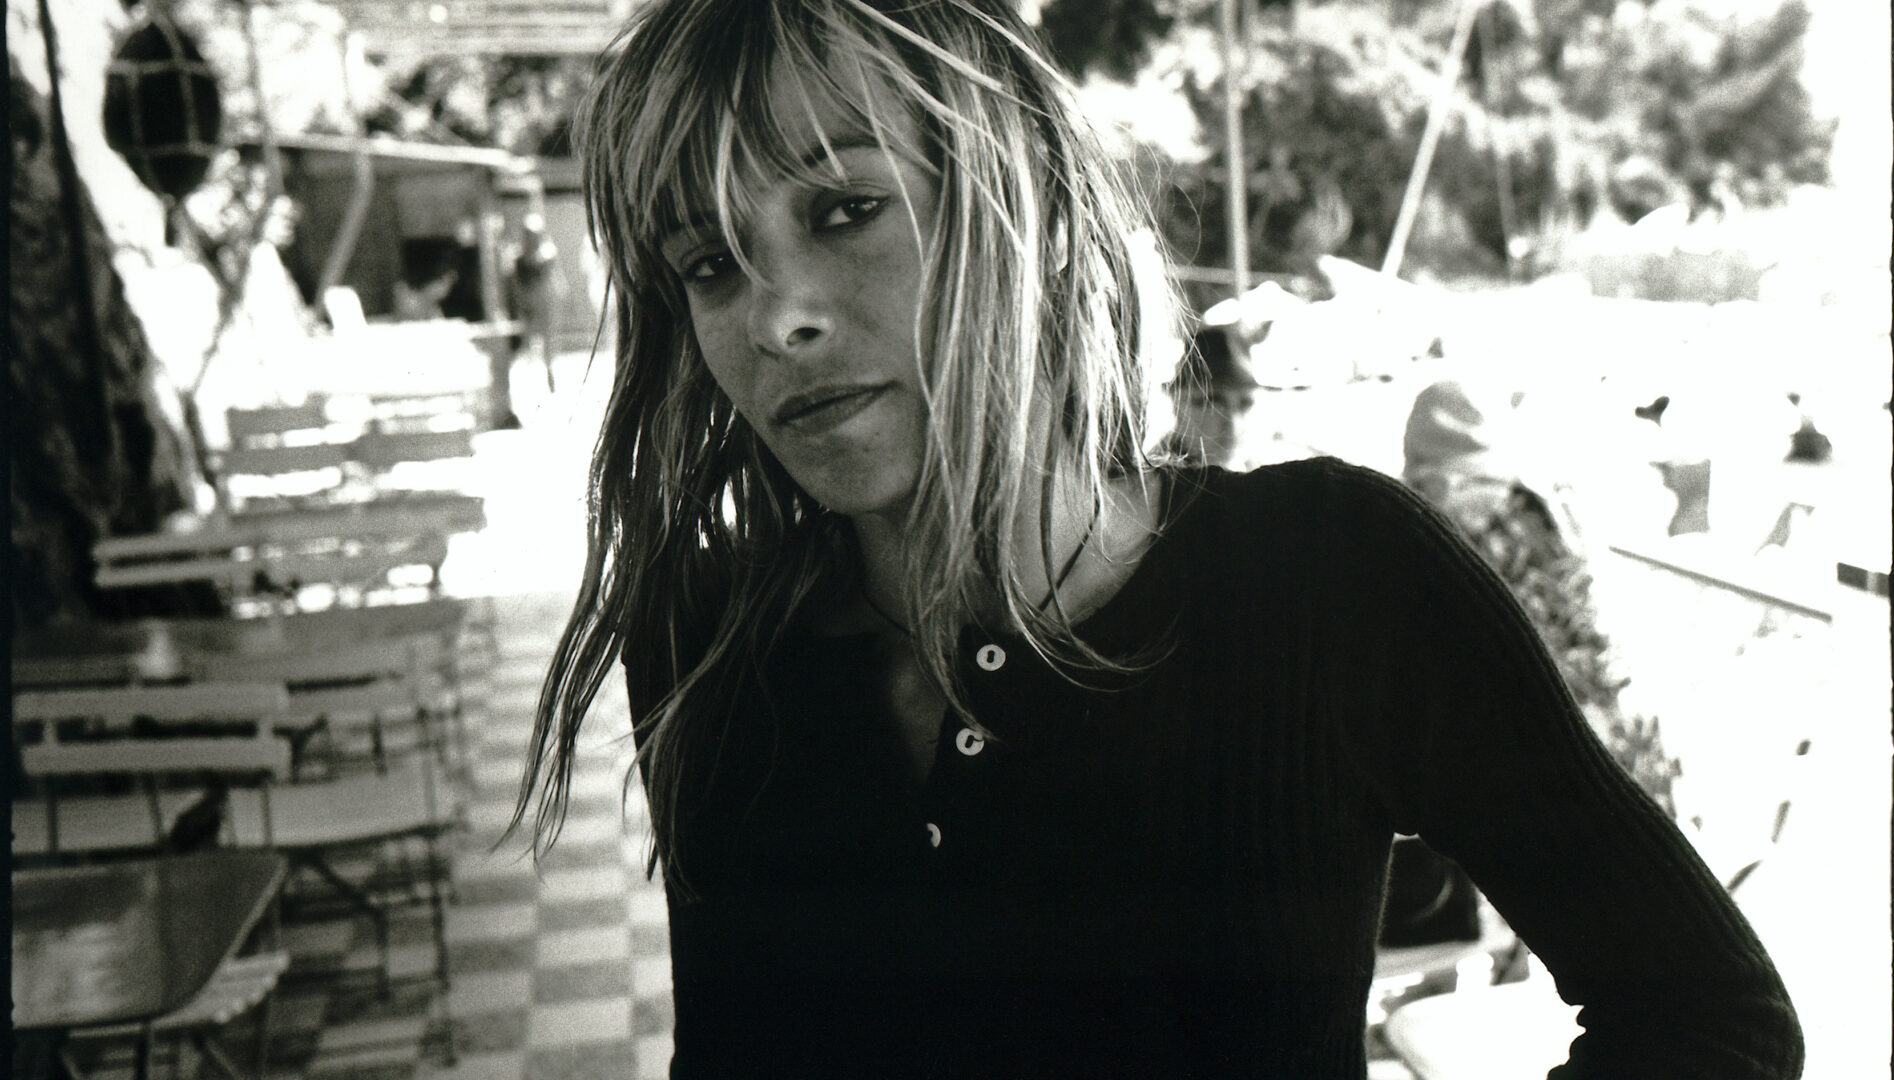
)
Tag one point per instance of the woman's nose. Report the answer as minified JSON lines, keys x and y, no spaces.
{"x":789,"y":313}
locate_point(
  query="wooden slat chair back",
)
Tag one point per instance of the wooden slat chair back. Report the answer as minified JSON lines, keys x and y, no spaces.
{"x":278,"y":453}
{"x":356,"y":551}
{"x":368,"y":699}
{"x":380,"y":452}
{"x":352,"y":693}
{"x":283,"y":460}
{"x":204,"y":730}
{"x":354,"y":571}
{"x":321,"y":630}
{"x":395,"y":516}
{"x":262,"y":754}
{"x":73,"y":671}
{"x":55,"y":826}
{"x":57,"y":646}
{"x":399,"y":656}
{"x":419,"y":645}
{"x":220,"y":556}
{"x":436,"y":627}
{"x":355,"y":575}
{"x":443,"y":616}
{"x":104,"y":823}
{"x":118,"y":706}
{"x":266,"y":424}
{"x":221,"y":570}
{"x":459,"y":410}
{"x":447,"y":619}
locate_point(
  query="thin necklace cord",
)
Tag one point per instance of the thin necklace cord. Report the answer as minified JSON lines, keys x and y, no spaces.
{"x":1058,"y":582}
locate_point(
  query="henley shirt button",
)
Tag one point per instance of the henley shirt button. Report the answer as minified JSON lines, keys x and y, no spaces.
{"x":990,"y":657}
{"x":933,"y":834}
{"x":969,"y":741}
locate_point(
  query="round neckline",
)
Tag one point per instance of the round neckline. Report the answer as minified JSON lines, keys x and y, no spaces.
{"x":1181,"y":485}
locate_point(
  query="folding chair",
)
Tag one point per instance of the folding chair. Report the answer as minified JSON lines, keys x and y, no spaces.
{"x":239,"y":984}
{"x":401,"y":799}
{"x":318,"y":821}
{"x":406,"y":681}
{"x":294,"y":552}
{"x":280,"y":455}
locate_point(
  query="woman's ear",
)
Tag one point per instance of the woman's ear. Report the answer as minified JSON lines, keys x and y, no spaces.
{"x":1060,"y":243}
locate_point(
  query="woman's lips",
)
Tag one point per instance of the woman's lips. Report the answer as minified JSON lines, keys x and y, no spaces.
{"x":822,"y":411}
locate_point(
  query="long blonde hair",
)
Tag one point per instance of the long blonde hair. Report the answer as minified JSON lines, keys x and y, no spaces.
{"x":702,"y":549}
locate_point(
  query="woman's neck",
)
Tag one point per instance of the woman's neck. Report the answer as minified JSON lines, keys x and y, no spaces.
{"x":1092,"y":547}
{"x":879,"y":539}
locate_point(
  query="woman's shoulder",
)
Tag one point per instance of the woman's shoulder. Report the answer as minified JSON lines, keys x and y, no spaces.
{"x":1322,"y":499}
{"x":1326,"y":529}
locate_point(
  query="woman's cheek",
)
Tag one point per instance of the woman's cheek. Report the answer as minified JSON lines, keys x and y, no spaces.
{"x":721,"y":354}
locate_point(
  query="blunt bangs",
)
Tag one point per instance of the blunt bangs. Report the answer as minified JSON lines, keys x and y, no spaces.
{"x":694,"y":114}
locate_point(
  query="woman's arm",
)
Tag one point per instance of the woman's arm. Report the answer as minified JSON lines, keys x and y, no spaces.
{"x":1461,"y":724}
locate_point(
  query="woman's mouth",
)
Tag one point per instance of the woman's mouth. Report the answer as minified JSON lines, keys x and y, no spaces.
{"x":816,"y":412}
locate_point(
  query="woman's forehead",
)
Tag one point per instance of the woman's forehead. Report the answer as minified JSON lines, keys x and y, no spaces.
{"x":800,"y":128}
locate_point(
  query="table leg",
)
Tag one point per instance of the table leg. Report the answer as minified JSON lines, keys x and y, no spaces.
{"x":39,"y":1055}
{"x":141,"y":1062}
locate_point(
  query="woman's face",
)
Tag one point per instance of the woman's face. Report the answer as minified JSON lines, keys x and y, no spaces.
{"x":817,"y":349}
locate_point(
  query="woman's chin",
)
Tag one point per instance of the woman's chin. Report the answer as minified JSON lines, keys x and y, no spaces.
{"x":892,"y":507}
{"x":865,"y":493}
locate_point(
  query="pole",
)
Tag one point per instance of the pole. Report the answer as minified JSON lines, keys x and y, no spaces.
{"x":1430,"y":137}
{"x":1502,"y":168}
{"x":1236,"y":176}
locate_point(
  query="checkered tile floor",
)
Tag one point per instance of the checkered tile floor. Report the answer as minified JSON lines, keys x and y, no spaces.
{"x":558,"y":971}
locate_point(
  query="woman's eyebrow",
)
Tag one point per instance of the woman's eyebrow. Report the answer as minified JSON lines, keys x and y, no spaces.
{"x":826,"y":150}
{"x":694,"y":223}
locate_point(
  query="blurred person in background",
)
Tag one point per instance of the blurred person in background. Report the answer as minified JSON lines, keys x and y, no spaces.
{"x":976,"y":744}
{"x":1212,"y":395}
{"x":532,"y":286}
{"x":430,"y":269}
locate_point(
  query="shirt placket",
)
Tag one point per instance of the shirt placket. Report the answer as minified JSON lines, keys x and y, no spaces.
{"x":963,"y":792}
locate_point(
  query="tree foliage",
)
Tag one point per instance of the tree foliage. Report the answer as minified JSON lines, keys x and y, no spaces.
{"x":1577,"y":106}
{"x":518,"y":103}
{"x":1112,"y":36}
{"x":89,"y":448}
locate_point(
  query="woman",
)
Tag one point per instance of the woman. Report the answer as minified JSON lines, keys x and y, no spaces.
{"x":974,"y":744}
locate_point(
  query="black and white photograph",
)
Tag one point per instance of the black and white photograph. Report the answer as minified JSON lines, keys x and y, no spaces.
{"x":950,"y":539}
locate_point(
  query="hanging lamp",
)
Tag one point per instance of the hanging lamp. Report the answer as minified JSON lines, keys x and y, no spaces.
{"x":163,"y":109}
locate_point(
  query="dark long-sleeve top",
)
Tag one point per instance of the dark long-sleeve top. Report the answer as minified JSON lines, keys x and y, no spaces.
{"x":1178,"y":872}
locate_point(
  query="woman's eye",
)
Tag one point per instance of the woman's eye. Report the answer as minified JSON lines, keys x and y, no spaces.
{"x":707,"y":267}
{"x":852,"y":211}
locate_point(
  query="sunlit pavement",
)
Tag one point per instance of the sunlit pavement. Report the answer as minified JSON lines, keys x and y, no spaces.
{"x":534,"y":480}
